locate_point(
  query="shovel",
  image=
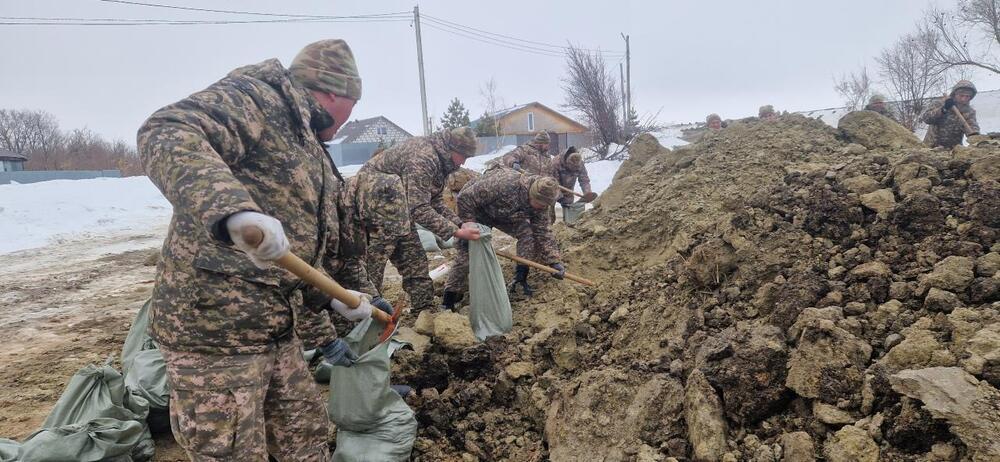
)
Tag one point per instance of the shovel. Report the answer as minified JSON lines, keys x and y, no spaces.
{"x":312,"y":276}
{"x":586,"y":197}
{"x":965,"y":123}
{"x":541,"y":267}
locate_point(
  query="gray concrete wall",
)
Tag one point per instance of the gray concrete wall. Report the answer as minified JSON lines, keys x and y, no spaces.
{"x":351,"y":153}
{"x":34,"y":176}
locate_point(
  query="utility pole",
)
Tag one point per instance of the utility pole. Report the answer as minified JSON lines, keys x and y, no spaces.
{"x":420,"y":65}
{"x":621,"y":74}
{"x":628,"y":74}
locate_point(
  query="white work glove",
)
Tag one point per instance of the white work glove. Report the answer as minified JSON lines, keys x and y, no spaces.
{"x":362,"y":312}
{"x":274,"y":244}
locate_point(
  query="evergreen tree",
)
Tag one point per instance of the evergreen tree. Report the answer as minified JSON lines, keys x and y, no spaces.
{"x":456,"y":115}
{"x":487,"y":126}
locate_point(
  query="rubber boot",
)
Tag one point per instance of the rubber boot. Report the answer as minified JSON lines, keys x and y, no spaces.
{"x":521,"y":277}
{"x":449,"y":300}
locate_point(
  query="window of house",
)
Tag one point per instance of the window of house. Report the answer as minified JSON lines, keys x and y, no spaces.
{"x":382,"y":130}
{"x":531,"y":121}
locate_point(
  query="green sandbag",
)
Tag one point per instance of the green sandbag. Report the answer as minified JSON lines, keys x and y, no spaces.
{"x":10,"y":450}
{"x":97,"y":440}
{"x":489,"y":306}
{"x":431,"y":242}
{"x":143,"y":365}
{"x":572,"y":212}
{"x":373,"y":422}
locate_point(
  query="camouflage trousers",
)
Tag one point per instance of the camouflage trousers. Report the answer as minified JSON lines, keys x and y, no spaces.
{"x":408,"y":256}
{"x":246,"y":407}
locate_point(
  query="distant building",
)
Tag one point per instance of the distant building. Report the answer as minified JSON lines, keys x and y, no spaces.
{"x":11,"y":161}
{"x":357,"y":140}
{"x":519,"y":123}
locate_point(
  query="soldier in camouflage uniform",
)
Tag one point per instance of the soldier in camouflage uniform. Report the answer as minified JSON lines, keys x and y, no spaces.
{"x":943,"y":127}
{"x":517,"y":205}
{"x":532,"y":157}
{"x":423,"y":164}
{"x":767,"y":112}
{"x":877,"y":104}
{"x":567,"y":169}
{"x":713,"y":122}
{"x":246,"y":153}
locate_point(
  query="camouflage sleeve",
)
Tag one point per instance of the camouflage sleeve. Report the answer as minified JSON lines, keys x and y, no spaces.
{"x":186,"y":149}
{"x":445,"y":211}
{"x":584,"y":179}
{"x":314,"y":328}
{"x":546,"y":246}
{"x":424,"y":200}
{"x":971,"y":119}
{"x":354,"y":276}
{"x":933,"y":115}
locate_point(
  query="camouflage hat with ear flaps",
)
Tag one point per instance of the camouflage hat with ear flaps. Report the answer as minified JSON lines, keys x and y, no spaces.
{"x":461,"y":140}
{"x":541,"y":138}
{"x":544,"y":190}
{"x":574,"y":160}
{"x":328,"y":66}
{"x":764,"y":110}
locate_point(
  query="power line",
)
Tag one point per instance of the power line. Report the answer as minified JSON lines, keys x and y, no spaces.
{"x":167,"y":22}
{"x":560,"y":48}
{"x":253,"y":13}
{"x":488,"y":41}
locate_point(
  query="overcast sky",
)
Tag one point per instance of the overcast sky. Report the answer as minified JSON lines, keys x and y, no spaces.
{"x":689,"y":58}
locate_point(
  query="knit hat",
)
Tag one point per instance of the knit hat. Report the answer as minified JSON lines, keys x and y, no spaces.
{"x":461,"y":140}
{"x":544,"y":190}
{"x":964,"y":85}
{"x":541,"y":138}
{"x":328,"y":66}
{"x":574,"y":160}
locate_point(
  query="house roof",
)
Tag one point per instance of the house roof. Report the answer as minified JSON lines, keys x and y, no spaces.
{"x":350,"y":131}
{"x":508,"y":111}
{"x":8,"y":155}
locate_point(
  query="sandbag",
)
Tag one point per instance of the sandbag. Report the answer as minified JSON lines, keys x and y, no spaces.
{"x":10,"y":450}
{"x":489,"y":306}
{"x":431,"y":242}
{"x":143,"y":365}
{"x":97,"y":440}
{"x":572,"y":212}
{"x":373,"y":422}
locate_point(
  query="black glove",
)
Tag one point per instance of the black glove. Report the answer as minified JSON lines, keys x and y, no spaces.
{"x":382,"y":304}
{"x":561,"y":271}
{"x":516,"y":166}
{"x":948,"y":104}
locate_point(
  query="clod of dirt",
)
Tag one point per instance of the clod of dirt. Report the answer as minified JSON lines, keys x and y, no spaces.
{"x":875,"y":131}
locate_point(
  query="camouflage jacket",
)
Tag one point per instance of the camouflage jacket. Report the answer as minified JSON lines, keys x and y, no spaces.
{"x":944,"y":128}
{"x":424,"y":169}
{"x":500,"y":199}
{"x":378,"y":203}
{"x":529,"y":159}
{"x":242,"y":144}
{"x":567,"y":177}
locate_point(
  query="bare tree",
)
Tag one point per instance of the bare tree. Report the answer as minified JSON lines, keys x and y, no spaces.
{"x":28,"y":132}
{"x":911,"y":75}
{"x":855,"y":88}
{"x":593,"y":92}
{"x":489,"y":124}
{"x":965,"y":37}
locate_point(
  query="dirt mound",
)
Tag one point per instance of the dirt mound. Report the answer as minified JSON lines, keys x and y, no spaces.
{"x":875,"y":131}
{"x":772,"y":281}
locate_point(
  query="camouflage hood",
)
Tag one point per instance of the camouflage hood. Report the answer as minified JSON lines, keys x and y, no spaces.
{"x":271,"y":72}
{"x":964,"y":84}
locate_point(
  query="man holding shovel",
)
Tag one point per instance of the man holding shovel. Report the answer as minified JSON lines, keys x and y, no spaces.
{"x":517,"y":205}
{"x":243,"y":164}
{"x":952,"y":117}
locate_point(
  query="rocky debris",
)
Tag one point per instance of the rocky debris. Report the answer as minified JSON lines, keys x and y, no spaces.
{"x":424,"y":323}
{"x":703,"y":415}
{"x":861,"y":184}
{"x":881,"y":201}
{"x":418,"y":342}
{"x":453,"y":330}
{"x":941,"y":300}
{"x":851,"y":444}
{"x":875,"y":131}
{"x":831,"y":415}
{"x":797,"y":447}
{"x":988,"y":265}
{"x":828,"y":363}
{"x":971,"y":407}
{"x":954,"y":274}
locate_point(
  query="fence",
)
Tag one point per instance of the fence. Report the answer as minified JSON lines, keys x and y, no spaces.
{"x":351,"y":153}
{"x":34,"y":176}
{"x":560,"y":141}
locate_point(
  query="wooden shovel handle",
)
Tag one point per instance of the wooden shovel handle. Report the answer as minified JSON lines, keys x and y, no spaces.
{"x":562,"y":188}
{"x":541,"y":267}
{"x":965,"y":123}
{"x":297,"y":266}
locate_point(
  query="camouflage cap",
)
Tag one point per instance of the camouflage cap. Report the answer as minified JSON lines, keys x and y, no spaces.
{"x":574,"y":160}
{"x":712,"y":117}
{"x":876,"y":98}
{"x":328,"y":66}
{"x":964,"y":85}
{"x":765,"y":110}
{"x":544,"y":190}
{"x":461,"y":140}
{"x":541,"y":138}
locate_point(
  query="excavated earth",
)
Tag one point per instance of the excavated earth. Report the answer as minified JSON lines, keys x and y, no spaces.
{"x":779,"y":290}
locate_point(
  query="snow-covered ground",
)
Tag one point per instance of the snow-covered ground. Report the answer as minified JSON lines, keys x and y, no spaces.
{"x":36,"y":214}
